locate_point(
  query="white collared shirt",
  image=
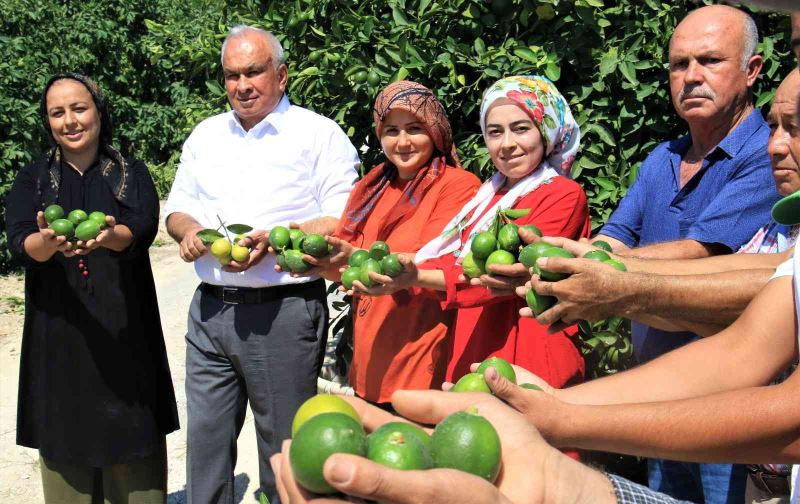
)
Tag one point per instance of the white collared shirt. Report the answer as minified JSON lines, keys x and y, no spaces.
{"x":292,"y":166}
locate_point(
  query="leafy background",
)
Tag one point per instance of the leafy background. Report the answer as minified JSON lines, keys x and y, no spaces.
{"x":158,"y":61}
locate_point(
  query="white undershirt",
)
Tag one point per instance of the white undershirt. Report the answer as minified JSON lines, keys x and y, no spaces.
{"x":792,"y":268}
{"x":294,"y":165}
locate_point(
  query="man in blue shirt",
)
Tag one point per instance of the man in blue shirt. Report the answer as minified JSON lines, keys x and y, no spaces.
{"x":703,"y":194}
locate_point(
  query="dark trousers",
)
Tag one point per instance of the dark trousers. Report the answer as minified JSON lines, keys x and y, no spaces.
{"x":269,"y":354}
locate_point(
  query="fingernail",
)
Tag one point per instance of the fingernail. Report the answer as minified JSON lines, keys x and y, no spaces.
{"x":340,"y":472}
{"x":542,"y":261}
{"x":490,"y":374}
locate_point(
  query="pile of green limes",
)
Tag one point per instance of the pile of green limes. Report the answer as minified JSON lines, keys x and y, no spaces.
{"x":531,"y":253}
{"x":377,"y":259}
{"x":327,"y":424}
{"x":77,"y":224}
{"x":475,"y":382}
{"x":291,"y":244}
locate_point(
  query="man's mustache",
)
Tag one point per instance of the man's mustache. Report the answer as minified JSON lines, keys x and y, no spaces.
{"x":697,"y":92}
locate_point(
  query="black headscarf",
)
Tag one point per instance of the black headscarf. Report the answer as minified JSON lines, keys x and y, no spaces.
{"x":113,"y":167}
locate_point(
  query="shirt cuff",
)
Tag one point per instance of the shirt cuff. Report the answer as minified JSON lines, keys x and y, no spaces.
{"x":628,"y":492}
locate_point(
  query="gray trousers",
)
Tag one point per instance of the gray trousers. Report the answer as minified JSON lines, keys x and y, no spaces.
{"x":268,"y":354}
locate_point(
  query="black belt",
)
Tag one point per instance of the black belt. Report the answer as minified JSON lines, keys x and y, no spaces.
{"x":772,"y":484}
{"x":247,"y":295}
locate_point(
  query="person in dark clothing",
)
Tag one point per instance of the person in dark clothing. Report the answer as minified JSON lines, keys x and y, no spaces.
{"x":95,"y":393}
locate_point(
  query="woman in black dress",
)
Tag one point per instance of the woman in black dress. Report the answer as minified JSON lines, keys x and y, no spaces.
{"x":95,"y":393}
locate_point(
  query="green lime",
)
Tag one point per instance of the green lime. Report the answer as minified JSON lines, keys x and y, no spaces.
{"x":616,"y":264}
{"x":315,"y":245}
{"x":545,"y":12}
{"x":350,"y":275}
{"x":360,"y":77}
{"x":280,"y":259}
{"x":63,"y":227}
{"x":410,"y":430}
{"x":500,"y":257}
{"x":53,"y":212}
{"x":322,"y":403}
{"x":99,"y":218}
{"x":471,"y":382}
{"x":297,"y":237}
{"x":508,"y":238}
{"x":467,"y":442}
{"x":319,"y":438}
{"x":294,"y":259}
{"x":550,"y":276}
{"x":370,"y":265}
{"x":358,"y":257}
{"x":501,"y":365}
{"x":530,"y":253}
{"x":77,"y":216}
{"x":87,"y":230}
{"x":279,"y":238}
{"x":533,"y":229}
{"x":391,"y":266}
{"x":538,"y":303}
{"x":483,"y":245}
{"x":603,"y":245}
{"x":373,"y":78}
{"x":597,"y":255}
{"x":379,"y":250}
{"x":473,"y":268}
{"x":395,"y":449}
{"x":531,"y":386}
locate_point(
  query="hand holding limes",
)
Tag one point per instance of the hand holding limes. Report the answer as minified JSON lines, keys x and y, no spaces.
{"x":54,"y":238}
{"x":97,"y":231}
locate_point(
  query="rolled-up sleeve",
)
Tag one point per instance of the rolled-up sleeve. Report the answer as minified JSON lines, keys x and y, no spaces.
{"x":752,"y":188}
{"x":335,"y":171}
{"x":183,"y":196}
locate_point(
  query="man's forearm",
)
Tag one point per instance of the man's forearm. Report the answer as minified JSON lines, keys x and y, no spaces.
{"x":753,"y":425}
{"x":706,"y":265}
{"x":748,"y":353}
{"x":683,"y":249}
{"x":178,"y":224}
{"x":692,"y":302}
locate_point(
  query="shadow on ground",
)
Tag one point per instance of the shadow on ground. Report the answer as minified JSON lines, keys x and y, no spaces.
{"x":240,"y":482}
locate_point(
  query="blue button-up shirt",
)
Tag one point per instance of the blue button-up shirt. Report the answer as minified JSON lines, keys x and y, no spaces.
{"x":728,"y":199}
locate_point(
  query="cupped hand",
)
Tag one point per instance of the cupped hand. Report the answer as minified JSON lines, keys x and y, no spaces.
{"x":51,"y":240}
{"x":105,"y":236}
{"x":327,"y":265}
{"x":386,"y":285}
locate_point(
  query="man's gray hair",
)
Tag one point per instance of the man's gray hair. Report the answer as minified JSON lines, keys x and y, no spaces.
{"x":272,"y":40}
{"x":750,"y":39}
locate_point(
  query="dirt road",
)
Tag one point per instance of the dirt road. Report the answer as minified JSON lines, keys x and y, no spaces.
{"x":19,"y":467}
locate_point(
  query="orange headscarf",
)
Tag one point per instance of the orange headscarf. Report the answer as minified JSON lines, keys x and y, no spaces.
{"x":421,"y":102}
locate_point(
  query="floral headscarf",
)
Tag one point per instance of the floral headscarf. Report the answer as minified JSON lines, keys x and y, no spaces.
{"x":422,"y":103}
{"x":549,"y":111}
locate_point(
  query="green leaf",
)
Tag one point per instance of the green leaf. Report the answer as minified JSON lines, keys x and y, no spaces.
{"x":552,"y":71}
{"x":608,"y":63}
{"x":604,"y":134}
{"x":239,"y":228}
{"x":628,"y":71}
{"x":480,"y":47}
{"x":398,"y":16}
{"x":209,"y":236}
{"x":526,"y":54}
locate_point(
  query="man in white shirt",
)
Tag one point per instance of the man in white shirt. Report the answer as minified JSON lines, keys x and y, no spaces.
{"x":253,"y":334}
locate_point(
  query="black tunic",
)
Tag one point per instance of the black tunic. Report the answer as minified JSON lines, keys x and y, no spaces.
{"x":94,"y":383}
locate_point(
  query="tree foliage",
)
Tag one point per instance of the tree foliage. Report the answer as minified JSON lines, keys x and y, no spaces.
{"x":158,"y":61}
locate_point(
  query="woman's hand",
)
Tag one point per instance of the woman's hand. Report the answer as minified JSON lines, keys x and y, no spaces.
{"x":43,"y":245}
{"x":106,"y":236}
{"x":503,"y":279}
{"x":329,"y":265}
{"x":384,"y":284}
